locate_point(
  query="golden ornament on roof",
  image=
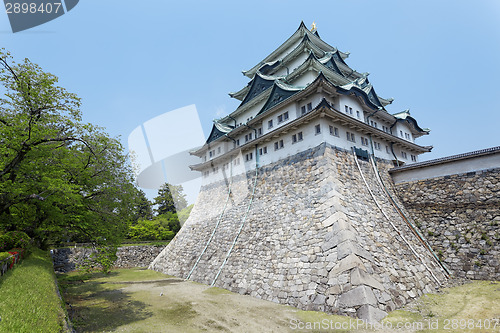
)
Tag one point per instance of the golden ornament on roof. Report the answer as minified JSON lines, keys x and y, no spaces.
{"x":313,"y":27}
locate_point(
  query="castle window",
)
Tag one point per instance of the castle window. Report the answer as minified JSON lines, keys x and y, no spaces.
{"x":297,"y":137}
{"x":351,"y":137}
{"x":364,"y":141}
{"x":413,"y":158}
{"x":259,"y":131}
{"x":346,"y":109}
{"x":249,"y":157}
{"x":404,"y":155}
{"x":305,"y":108}
{"x":236,"y":161}
{"x":334,"y":131}
{"x":317,"y":129}
{"x":263,"y":150}
{"x":377,"y":145}
{"x":401,"y":133}
{"x":238,"y":142}
{"x":357,"y":114}
{"x":387,"y":150}
{"x":283,"y":117}
{"x":278,"y":145}
{"x":216,"y":169}
{"x":270,"y":124}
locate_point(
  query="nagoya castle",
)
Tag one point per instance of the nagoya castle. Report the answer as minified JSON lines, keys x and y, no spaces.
{"x":297,"y":205}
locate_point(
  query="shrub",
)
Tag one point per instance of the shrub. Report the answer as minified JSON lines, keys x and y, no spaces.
{"x":15,"y":239}
{"x":162,"y":227}
{"x":4,"y":255}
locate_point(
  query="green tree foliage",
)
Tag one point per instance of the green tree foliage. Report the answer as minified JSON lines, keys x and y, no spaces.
{"x":161,"y":227}
{"x":142,"y":207}
{"x":170,"y":198}
{"x":60,"y":178}
{"x":184,"y":214}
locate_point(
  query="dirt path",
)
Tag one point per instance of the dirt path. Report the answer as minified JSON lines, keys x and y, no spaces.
{"x":138,"y":300}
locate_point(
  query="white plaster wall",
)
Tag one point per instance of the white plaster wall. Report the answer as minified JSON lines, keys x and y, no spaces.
{"x":251,"y":112}
{"x":472,"y":164}
{"x":305,"y":78}
{"x":352,"y":102}
{"x":402,"y":127}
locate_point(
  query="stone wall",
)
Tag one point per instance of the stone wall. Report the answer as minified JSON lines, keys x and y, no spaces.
{"x":313,"y":238}
{"x":68,"y":259}
{"x":460,"y":214}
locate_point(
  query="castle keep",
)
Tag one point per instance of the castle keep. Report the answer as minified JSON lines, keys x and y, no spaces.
{"x":297,"y":205}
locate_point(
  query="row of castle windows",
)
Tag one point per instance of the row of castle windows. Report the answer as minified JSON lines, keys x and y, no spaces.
{"x":334,"y":131}
{"x":407,"y":136}
{"x":298,"y":137}
{"x":349,"y":111}
{"x":305,"y":108}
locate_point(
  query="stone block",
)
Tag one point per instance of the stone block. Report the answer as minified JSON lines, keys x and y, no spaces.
{"x":345,"y":264}
{"x":320,"y":299}
{"x":370,"y":314}
{"x":344,"y":235}
{"x":361,"y":295}
{"x":348,"y":247}
{"x":334,"y":290}
{"x":360,"y":277}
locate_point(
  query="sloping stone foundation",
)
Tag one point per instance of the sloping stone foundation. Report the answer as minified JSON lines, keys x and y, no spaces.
{"x":313,"y":238}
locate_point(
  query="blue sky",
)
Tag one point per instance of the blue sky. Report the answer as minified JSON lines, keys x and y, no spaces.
{"x":130,"y":61}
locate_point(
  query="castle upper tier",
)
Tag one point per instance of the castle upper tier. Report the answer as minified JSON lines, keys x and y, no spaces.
{"x":299,"y":96}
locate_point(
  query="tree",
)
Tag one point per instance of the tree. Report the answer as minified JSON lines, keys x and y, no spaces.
{"x":170,"y":199}
{"x":142,"y":207}
{"x":161,"y":227}
{"x":60,"y":178}
{"x":184,"y":214}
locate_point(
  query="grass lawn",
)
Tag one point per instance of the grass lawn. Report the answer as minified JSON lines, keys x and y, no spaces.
{"x":139,"y":300}
{"x":28,"y":299}
{"x":466,"y":308}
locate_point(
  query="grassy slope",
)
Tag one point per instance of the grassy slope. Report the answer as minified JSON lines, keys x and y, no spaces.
{"x":28,"y":299}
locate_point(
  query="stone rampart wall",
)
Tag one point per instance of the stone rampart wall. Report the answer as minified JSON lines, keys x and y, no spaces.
{"x":313,"y":238}
{"x":68,"y":259}
{"x":459,"y":214}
